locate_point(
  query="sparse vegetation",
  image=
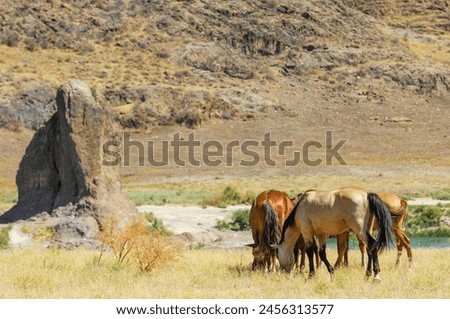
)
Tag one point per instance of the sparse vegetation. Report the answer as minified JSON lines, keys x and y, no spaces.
{"x":441,"y":194}
{"x":426,"y":221}
{"x":156,"y":224}
{"x":137,"y":243}
{"x":167,"y":195}
{"x":239,"y":221}
{"x":229,"y":196}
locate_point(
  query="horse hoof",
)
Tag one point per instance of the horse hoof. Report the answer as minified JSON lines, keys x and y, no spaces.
{"x":376,"y":279}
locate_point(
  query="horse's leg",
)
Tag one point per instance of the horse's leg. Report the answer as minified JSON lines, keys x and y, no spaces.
{"x":302,"y":259}
{"x":347,"y":247}
{"x":302,"y":249}
{"x":341,"y":241}
{"x":362,"y":249}
{"x":399,"y":245}
{"x":376,"y":265}
{"x":272,"y":261}
{"x":316,"y":253}
{"x":403,"y":241}
{"x":296,"y":255}
{"x":273,"y":264}
{"x":310,"y":253}
{"x":323,"y":253}
{"x":370,"y":254}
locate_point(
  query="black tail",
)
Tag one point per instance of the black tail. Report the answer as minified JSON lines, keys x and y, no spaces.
{"x":383,"y":216}
{"x":272,"y":230}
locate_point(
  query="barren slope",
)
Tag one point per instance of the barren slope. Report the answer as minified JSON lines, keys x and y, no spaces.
{"x":376,"y":73}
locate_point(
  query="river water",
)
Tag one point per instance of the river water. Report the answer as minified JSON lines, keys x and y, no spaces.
{"x":416,"y":242}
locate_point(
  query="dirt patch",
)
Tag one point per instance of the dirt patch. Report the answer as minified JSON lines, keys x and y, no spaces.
{"x":197,"y":225}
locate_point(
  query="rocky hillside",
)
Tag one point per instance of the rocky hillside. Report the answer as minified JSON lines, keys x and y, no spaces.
{"x":185,"y":62}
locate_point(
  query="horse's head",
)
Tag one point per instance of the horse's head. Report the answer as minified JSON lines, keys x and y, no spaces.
{"x":285,"y":257}
{"x":257,"y":251}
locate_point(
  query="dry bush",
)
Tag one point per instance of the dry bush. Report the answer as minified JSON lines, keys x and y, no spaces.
{"x":154,"y":249}
{"x":138,"y":243}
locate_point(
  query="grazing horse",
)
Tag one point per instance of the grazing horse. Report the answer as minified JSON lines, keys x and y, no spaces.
{"x":399,"y":211}
{"x":325,"y":213}
{"x":267,"y":215}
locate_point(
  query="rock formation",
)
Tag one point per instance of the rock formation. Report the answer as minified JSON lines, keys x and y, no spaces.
{"x":61,"y":174}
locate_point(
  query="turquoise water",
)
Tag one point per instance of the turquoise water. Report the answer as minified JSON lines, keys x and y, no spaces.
{"x":416,"y":242}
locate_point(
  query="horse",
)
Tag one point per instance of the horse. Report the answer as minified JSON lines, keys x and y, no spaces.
{"x":267,"y":215}
{"x":268,"y":212}
{"x":399,"y":211}
{"x":324,"y":213}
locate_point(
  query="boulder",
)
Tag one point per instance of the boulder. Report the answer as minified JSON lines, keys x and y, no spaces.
{"x":61,"y":172}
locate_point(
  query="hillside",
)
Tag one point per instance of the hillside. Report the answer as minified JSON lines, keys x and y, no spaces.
{"x":375,"y":72}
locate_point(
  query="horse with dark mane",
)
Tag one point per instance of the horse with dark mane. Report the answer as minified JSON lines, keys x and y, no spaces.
{"x":267,"y":215}
{"x":325,"y":213}
{"x":399,"y":211}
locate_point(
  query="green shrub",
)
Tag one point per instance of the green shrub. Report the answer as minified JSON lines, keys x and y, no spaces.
{"x":239,"y":221}
{"x":156,"y":224}
{"x":443,"y":194}
{"x":229,"y":196}
{"x":424,"y":221}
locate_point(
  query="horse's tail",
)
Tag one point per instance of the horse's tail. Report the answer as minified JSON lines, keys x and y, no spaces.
{"x":383,"y":216}
{"x":272,"y":230}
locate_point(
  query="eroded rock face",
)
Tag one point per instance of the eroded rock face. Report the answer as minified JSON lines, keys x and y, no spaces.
{"x":61,"y":172}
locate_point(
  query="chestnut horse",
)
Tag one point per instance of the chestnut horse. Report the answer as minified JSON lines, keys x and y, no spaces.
{"x":325,"y":213}
{"x":267,"y":215}
{"x":399,"y":211}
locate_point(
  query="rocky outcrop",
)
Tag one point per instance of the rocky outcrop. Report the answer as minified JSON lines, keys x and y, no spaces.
{"x":29,"y":109}
{"x":61,"y":174}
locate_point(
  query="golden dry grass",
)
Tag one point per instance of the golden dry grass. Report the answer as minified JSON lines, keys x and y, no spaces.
{"x":434,"y":51}
{"x":102,"y":66}
{"x":212,"y":274}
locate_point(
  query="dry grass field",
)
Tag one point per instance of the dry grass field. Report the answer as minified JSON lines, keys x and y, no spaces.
{"x":216,"y":274}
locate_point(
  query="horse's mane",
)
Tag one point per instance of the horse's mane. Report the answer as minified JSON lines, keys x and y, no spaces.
{"x":289,"y":222}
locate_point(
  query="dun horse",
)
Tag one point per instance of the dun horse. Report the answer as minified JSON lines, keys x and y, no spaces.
{"x":399,"y":211}
{"x":267,"y":215}
{"x":325,"y":213}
